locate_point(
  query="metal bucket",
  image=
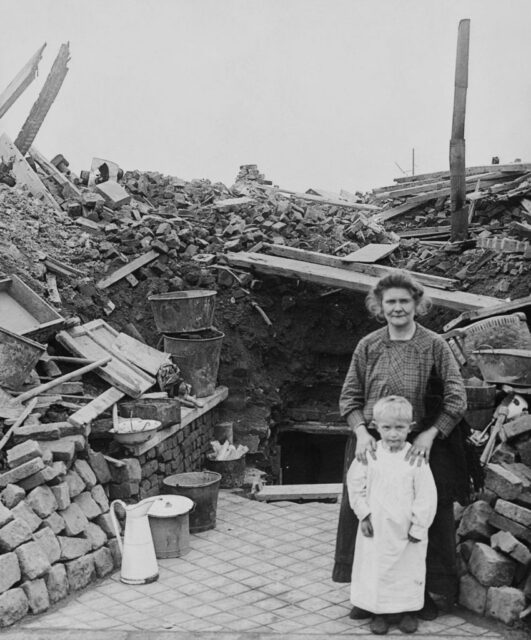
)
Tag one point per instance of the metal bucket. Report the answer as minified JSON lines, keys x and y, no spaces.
{"x":232,"y":472}
{"x":170,"y":526}
{"x":203,"y":488}
{"x":18,"y":356}
{"x":181,"y":311}
{"x":197,"y":356}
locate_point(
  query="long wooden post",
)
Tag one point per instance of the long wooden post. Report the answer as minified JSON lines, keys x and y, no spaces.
{"x":459,"y":218}
{"x":20,"y":82}
{"x":45,"y":100}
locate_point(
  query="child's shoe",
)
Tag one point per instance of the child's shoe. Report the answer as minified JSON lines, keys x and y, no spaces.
{"x":357,"y":613}
{"x":379,"y":625}
{"x":408,"y":624}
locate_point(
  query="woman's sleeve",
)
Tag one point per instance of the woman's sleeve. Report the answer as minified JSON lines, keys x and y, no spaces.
{"x":424,"y":502}
{"x":357,"y":489}
{"x":352,"y":398}
{"x":454,"y":400}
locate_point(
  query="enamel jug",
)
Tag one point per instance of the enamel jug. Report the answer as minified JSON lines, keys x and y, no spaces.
{"x":139,"y":564}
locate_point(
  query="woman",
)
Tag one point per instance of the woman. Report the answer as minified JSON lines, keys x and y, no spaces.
{"x":404,"y":358}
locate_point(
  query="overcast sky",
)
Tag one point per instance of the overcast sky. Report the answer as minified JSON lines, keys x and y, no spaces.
{"x":318,"y":93}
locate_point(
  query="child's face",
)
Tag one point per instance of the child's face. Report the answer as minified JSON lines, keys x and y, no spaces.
{"x":393,"y":431}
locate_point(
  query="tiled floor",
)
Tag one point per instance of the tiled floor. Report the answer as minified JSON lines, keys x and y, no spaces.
{"x":265,"y":568}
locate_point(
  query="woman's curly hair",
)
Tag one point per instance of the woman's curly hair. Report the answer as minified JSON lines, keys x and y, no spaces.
{"x":397,"y":280}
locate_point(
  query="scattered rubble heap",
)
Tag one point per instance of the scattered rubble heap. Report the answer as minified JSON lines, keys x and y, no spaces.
{"x":103,"y":249}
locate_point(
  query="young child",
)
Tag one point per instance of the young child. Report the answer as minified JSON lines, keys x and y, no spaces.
{"x":395,"y":503}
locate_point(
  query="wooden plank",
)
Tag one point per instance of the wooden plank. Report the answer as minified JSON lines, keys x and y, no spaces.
{"x":370,"y":269}
{"x":120,"y":273}
{"x":188,"y":415}
{"x":20,"y":82}
{"x":19,"y":421}
{"x":335,"y":277}
{"x":317,"y":428}
{"x":326,"y":201}
{"x":370,"y":253}
{"x":40,"y":108}
{"x":501,"y":308}
{"x":232,"y":202}
{"x":517,"y":167}
{"x":27,"y":395}
{"x":398,"y":192}
{"x":141,"y":354}
{"x":53,"y":291}
{"x":271,"y":493}
{"x":69,"y":189}
{"x":96,"y":407}
{"x":93,"y":341}
{"x":24,"y":174}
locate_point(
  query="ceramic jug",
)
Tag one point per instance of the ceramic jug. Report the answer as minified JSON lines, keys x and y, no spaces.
{"x":139,"y":564}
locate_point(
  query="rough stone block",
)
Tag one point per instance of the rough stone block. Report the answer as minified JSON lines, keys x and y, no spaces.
{"x":60,"y":469}
{"x":36,"y":432}
{"x":75,"y":520}
{"x":19,"y":473}
{"x":95,"y":536}
{"x":80,"y":442}
{"x":6,"y":515}
{"x":32,"y":560}
{"x":80,"y":572}
{"x":48,"y":474}
{"x":75,"y":484}
{"x":99,"y":496}
{"x":489,"y":567}
{"x":105,"y":522}
{"x":55,"y":522}
{"x":506,"y":543}
{"x":24,"y":512}
{"x":72,"y":548}
{"x":9,"y":571}
{"x":464,"y":549}
{"x":42,"y":501}
{"x":505,"y":524}
{"x":123,"y":491}
{"x":524,"y":449}
{"x":12,"y":495}
{"x":61,"y":492}
{"x":100,"y":466}
{"x":474,"y":522}
{"x":62,"y":450}
{"x":131,"y":471}
{"x":472,"y":594}
{"x":88,"y":505}
{"x":514,"y":512}
{"x":86,"y":474}
{"x":505,"y":604}
{"x":56,"y":583}
{"x":48,"y":541}
{"x":114,"y":548}
{"x":103,"y":562}
{"x":37,"y":595}
{"x":503,"y":482}
{"x":21,"y":453}
{"x":14,"y":534}
{"x":13,"y":606}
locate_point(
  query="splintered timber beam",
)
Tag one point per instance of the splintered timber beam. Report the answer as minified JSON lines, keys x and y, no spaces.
{"x":20,"y":82}
{"x":457,"y":142}
{"x":45,"y":100}
{"x":335,"y":277}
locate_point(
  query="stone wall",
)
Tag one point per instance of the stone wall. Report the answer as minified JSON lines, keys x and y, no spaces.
{"x":56,"y":534}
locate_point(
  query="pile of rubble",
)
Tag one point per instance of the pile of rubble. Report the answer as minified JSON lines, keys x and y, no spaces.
{"x":56,"y":532}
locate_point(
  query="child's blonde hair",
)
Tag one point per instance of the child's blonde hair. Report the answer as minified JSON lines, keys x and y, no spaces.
{"x":393,"y":406}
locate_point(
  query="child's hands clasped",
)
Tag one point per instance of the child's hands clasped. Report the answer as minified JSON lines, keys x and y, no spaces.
{"x":366,"y":527}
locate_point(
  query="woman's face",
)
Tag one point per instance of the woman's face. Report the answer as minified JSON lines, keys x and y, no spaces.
{"x":398,"y":307}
